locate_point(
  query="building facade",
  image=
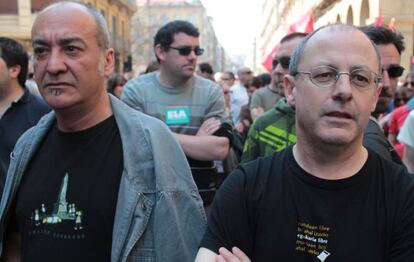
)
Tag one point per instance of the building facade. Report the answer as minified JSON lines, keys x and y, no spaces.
{"x":279,"y":15}
{"x":153,"y":14}
{"x":17,"y":16}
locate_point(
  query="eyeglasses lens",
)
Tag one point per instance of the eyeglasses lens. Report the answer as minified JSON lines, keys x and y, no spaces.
{"x":325,"y":76}
{"x":186,"y":50}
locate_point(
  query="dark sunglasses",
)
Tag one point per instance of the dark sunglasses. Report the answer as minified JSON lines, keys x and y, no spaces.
{"x":186,"y":50}
{"x":409,"y":83}
{"x":394,"y":71}
{"x":284,"y":62}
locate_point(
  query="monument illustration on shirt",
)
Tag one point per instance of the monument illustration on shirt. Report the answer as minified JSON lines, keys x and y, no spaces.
{"x":62,"y":210}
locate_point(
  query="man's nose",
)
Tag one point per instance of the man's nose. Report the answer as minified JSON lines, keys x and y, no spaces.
{"x":192,"y":55}
{"x":385,"y":80}
{"x":280,"y":70}
{"x":343,"y":87}
{"x":56,"y":63}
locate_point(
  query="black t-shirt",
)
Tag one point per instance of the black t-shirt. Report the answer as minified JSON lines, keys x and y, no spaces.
{"x":65,"y":206}
{"x":275,"y":211}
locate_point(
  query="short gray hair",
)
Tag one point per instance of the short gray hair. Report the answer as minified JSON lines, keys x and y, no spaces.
{"x":300,"y":48}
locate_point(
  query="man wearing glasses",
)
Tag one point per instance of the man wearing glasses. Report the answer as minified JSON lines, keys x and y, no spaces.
{"x":327,"y":198}
{"x":191,"y":106}
{"x":390,"y":45}
{"x":275,"y":129}
{"x":265,"y":99}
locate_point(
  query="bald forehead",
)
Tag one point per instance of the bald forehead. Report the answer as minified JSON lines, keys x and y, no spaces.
{"x":343,"y":34}
{"x":62,"y":9}
{"x":243,"y":70}
{"x":286,"y":48}
{"x":341,"y":29}
{"x":64,"y":5}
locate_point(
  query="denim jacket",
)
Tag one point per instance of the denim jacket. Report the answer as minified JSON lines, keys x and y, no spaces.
{"x":159,"y":214}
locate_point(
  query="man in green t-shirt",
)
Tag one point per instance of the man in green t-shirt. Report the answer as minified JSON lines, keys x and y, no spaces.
{"x":275,"y":129}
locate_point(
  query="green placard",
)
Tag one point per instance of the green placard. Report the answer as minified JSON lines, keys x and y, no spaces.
{"x":177,"y":115}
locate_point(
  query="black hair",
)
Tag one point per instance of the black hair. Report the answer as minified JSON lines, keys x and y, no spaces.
{"x":231,"y":75}
{"x":265,"y":78}
{"x":291,"y":36}
{"x":206,"y":68}
{"x":165,"y":35}
{"x":255,"y":81}
{"x":113,"y":82}
{"x":382,"y":35}
{"x":13,"y":54}
{"x":152,"y":66}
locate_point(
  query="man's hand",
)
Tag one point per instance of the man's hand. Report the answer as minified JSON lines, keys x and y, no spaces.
{"x":208,"y":127}
{"x":227,"y":256}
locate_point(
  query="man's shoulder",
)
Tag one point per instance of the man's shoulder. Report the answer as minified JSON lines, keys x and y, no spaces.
{"x":36,"y":131}
{"x":373,"y":128}
{"x":395,"y":176}
{"x":139,"y":88}
{"x":264,"y":91}
{"x":399,"y":112}
{"x":385,"y":166}
{"x":36,"y":101}
{"x":206,"y":84}
{"x":262,"y":168}
{"x":142,"y":81}
{"x":131,"y":116}
{"x":235,"y":87}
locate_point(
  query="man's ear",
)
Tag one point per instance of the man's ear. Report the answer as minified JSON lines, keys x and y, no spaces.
{"x":290,"y":89}
{"x":14,"y":71}
{"x":109,"y":65}
{"x":159,"y":52}
{"x":376,"y":94}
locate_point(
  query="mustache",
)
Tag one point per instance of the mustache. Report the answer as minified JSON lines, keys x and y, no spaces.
{"x":339,"y":111}
{"x":51,"y":81}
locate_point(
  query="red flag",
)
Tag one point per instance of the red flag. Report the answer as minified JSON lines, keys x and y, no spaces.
{"x":304,"y":24}
{"x":379,"y":21}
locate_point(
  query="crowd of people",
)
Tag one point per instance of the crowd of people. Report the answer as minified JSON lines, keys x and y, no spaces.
{"x":312,"y":162}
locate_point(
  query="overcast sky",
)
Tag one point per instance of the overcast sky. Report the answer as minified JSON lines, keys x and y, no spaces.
{"x":235,"y":22}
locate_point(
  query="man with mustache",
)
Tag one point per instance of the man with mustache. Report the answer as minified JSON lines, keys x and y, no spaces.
{"x":390,"y":45}
{"x":192,"y":106}
{"x":328,"y":197}
{"x":94,"y":180}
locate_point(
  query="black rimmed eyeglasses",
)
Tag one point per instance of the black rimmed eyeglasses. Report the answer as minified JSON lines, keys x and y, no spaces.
{"x":326,"y":76}
{"x":186,"y":50}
